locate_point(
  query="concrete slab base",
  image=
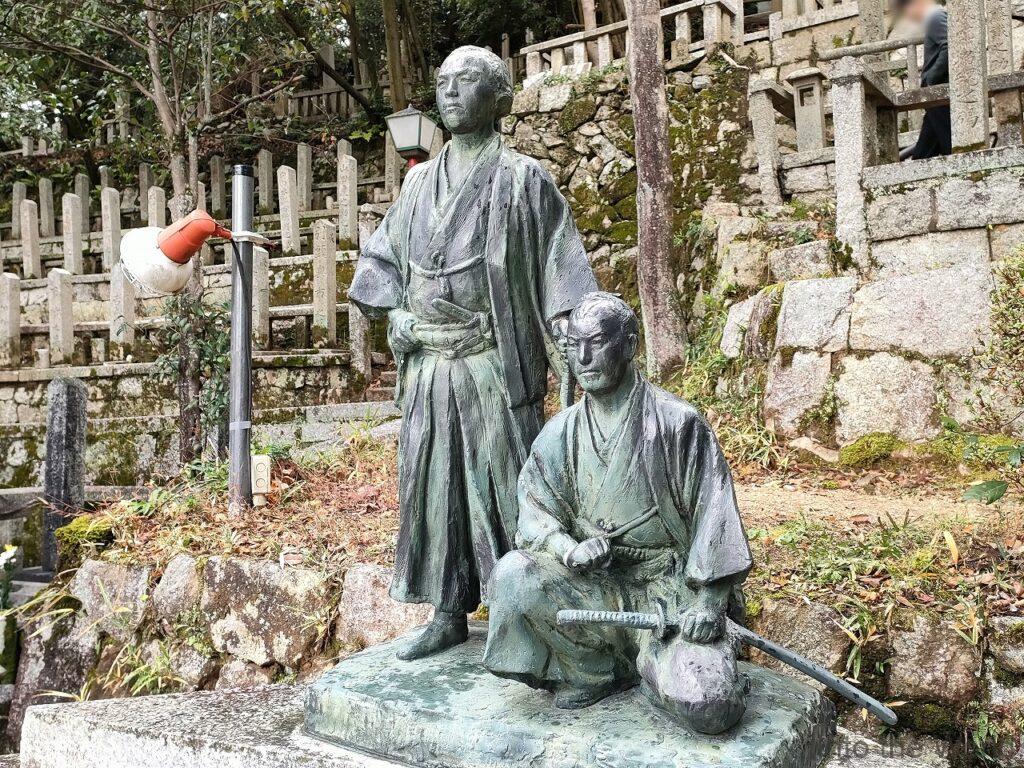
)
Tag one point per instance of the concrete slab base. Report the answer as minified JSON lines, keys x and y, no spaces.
{"x":223,"y":729}
{"x":448,"y":711}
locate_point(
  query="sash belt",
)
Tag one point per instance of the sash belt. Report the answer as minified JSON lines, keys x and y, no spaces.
{"x":455,"y":340}
{"x":445,"y":271}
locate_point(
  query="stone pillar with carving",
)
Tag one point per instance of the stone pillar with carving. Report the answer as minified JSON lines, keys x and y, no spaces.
{"x":968,"y":73}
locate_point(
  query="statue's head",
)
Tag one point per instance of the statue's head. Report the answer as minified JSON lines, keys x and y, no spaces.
{"x":474,"y":88}
{"x":603,"y":334}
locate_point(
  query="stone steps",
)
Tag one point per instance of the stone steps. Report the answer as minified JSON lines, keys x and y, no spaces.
{"x":28,"y":583}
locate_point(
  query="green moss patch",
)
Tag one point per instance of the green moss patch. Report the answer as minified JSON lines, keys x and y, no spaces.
{"x":869,"y":449}
{"x":576,"y":113}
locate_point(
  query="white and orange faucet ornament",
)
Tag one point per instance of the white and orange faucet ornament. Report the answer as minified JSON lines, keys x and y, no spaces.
{"x":158,"y":260}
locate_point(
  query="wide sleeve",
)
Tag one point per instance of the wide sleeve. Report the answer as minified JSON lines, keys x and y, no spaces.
{"x":718,"y":543}
{"x":937,"y":44}
{"x":563,"y":269}
{"x":379,"y":282}
{"x":545,"y":507}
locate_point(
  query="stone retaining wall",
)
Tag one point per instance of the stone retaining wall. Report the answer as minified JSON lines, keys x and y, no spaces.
{"x":304,"y":399}
{"x":227,"y":622}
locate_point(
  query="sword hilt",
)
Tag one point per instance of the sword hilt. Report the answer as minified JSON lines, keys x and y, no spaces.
{"x":655,"y":622}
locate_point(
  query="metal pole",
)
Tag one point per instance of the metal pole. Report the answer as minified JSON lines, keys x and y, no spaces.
{"x":240,"y":409}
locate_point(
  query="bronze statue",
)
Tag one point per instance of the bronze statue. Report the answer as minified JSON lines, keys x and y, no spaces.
{"x":476,"y":265}
{"x":626,"y":501}
{"x":633,"y":551}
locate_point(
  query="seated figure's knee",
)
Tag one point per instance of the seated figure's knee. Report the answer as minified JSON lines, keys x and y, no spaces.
{"x":516,"y":583}
{"x":699,"y":684}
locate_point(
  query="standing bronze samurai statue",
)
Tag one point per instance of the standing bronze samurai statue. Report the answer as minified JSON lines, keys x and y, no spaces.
{"x":476,"y":266}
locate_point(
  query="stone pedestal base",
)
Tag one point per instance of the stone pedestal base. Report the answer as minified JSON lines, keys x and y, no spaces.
{"x":447,"y":711}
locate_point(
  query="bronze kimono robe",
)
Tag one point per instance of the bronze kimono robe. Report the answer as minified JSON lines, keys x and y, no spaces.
{"x":504,"y":248}
{"x":664,"y":455}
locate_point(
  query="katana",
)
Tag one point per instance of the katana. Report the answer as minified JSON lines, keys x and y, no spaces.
{"x":664,"y":627}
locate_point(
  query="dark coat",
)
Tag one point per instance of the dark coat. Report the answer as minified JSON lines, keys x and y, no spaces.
{"x":936,"y":134}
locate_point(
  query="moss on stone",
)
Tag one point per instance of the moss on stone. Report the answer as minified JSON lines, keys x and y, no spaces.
{"x":626,"y":207}
{"x":623,"y":232}
{"x":81,"y":537}
{"x":575,"y":114}
{"x":934,"y":719}
{"x":621,"y":188}
{"x":869,"y":449}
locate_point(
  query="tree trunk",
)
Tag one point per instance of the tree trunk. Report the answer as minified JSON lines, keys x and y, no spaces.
{"x":588,"y":10}
{"x":664,"y":324}
{"x":416,"y":52}
{"x":393,"y":38}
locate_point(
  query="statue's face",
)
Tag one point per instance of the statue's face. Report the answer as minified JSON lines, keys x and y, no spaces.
{"x":465,"y":95}
{"x":600,"y":350}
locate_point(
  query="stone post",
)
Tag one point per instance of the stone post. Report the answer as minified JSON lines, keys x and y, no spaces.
{"x":218,"y":195}
{"x":348,"y":199}
{"x":968,"y":89}
{"x":10,"y":321}
{"x":579,"y":56}
{"x":47,"y":224}
{"x":437,"y":143}
{"x":790,"y":9}
{"x":1006,"y":108}
{"x":64,"y":474}
{"x":31,"y":261}
{"x":766,"y":141}
{"x":265,"y":180}
{"x":288,"y":205}
{"x":121,"y":111}
{"x":604,"y":49}
{"x":193,"y":164}
{"x":681,"y":43}
{"x":83,"y":188}
{"x":392,"y":168}
{"x":71,"y":223}
{"x":557,"y":60}
{"x":716,"y":24}
{"x":145,"y":182}
{"x":104,"y":176}
{"x":261,"y":297}
{"x":325,"y":283}
{"x":852,"y":125}
{"x":110,"y":219}
{"x":304,"y":174}
{"x":359,"y":338}
{"x":533,"y":64}
{"x":60,"y":298}
{"x":27,"y":146}
{"x":157,"y":206}
{"x":122,"y":313}
{"x":872,"y":24}
{"x":19,"y":193}
{"x":808,"y":108}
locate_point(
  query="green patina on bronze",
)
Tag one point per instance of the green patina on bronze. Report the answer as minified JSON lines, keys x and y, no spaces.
{"x":474,"y":263}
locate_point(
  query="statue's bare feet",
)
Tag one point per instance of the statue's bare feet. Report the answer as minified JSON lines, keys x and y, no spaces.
{"x":444,"y":631}
{"x":578,"y":697}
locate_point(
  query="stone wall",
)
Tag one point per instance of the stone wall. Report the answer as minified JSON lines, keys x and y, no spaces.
{"x":235,"y":623}
{"x":304,"y":399}
{"x":582,"y":131}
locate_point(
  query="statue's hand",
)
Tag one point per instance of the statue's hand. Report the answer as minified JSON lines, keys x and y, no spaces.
{"x":401,"y":331}
{"x":702,"y":623}
{"x":589,"y":554}
{"x":560,"y":328}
